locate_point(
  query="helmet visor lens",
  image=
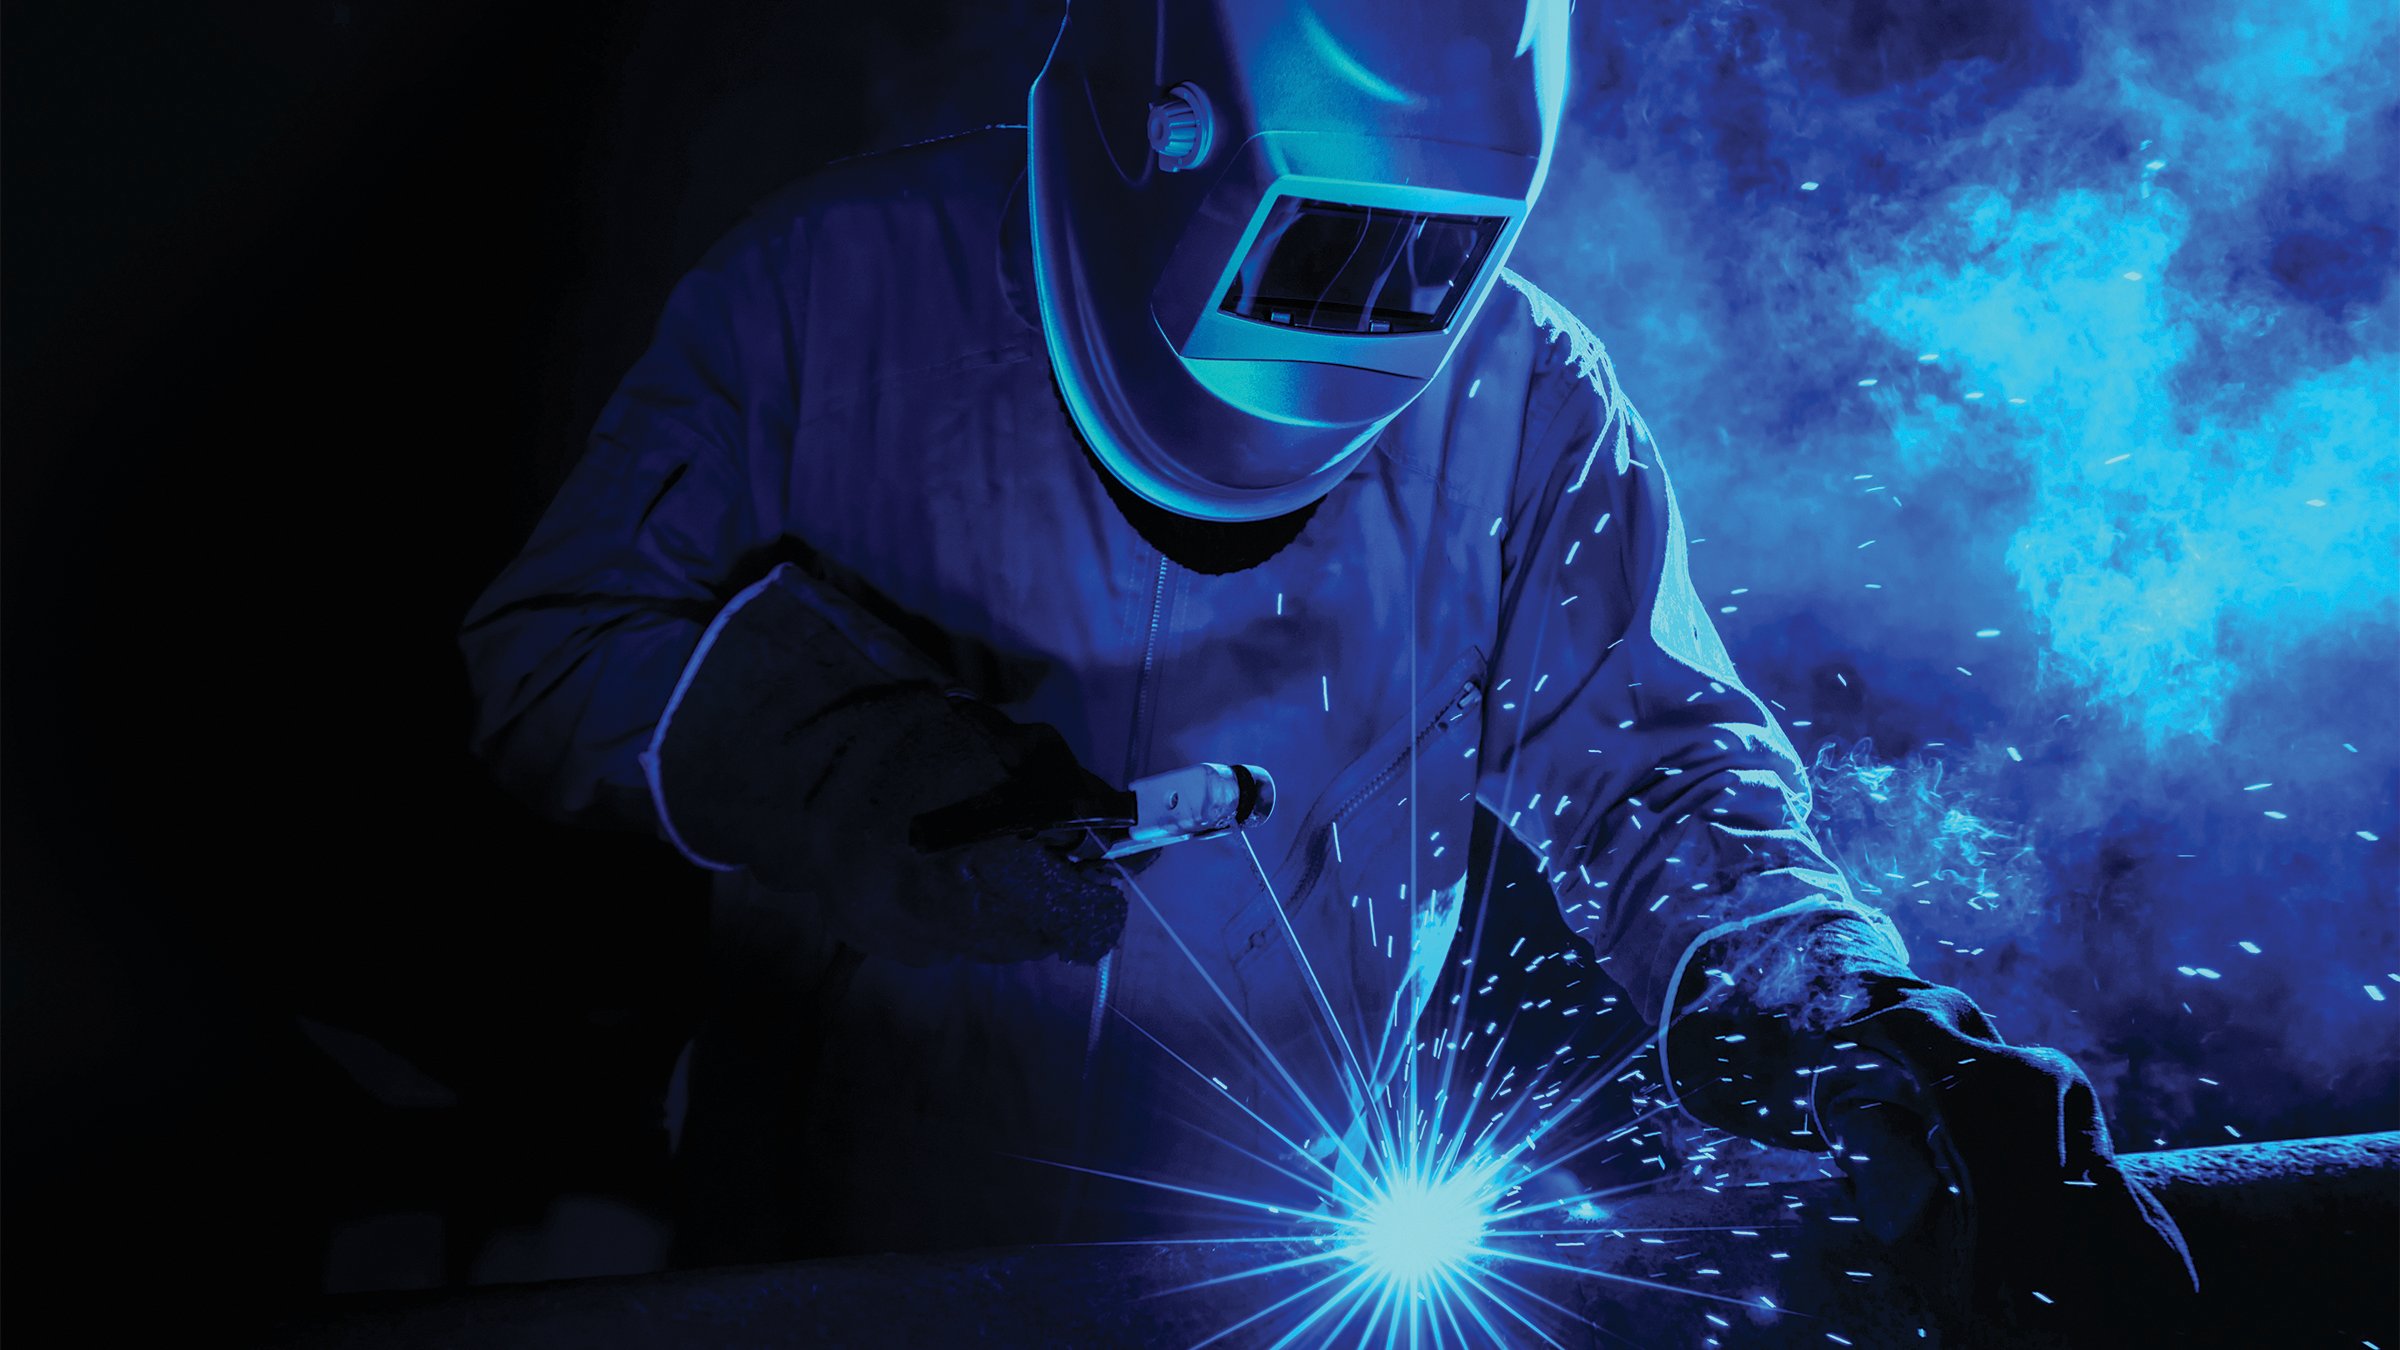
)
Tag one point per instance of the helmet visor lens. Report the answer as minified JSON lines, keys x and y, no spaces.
{"x":1337,"y":268}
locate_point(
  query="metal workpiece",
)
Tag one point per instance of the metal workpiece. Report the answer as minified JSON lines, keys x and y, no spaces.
{"x":2297,"y":1244}
{"x":2289,"y":1237}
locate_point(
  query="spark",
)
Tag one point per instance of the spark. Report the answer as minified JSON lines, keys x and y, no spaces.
{"x":1428,"y":1200}
{"x":1412,"y":1179}
{"x":1420,"y":1228}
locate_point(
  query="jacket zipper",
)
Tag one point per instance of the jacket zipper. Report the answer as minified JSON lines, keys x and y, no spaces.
{"x":1102,"y":982}
{"x":1320,"y":835}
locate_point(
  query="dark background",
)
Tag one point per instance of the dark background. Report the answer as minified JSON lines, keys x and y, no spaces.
{"x":307,"y":308}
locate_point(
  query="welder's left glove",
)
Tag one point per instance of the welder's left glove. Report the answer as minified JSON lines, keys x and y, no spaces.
{"x":1972,"y":1158}
{"x":805,"y":739}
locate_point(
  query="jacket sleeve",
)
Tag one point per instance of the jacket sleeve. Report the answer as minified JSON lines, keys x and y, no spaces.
{"x":1666,"y":805}
{"x":577,"y":647}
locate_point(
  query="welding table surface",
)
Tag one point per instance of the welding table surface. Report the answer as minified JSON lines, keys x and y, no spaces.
{"x":2297,"y":1243}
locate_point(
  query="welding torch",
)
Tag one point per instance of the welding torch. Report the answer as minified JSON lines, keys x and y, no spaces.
{"x":1198,"y":801}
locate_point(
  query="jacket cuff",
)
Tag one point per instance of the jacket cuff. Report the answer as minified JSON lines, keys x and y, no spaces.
{"x":650,"y":756}
{"x":721,"y":765}
{"x":1763,"y":1016}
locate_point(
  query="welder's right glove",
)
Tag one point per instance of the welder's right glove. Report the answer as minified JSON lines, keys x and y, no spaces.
{"x":807,"y":736}
{"x":1986,"y":1167}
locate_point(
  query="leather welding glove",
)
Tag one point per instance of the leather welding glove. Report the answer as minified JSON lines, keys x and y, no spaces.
{"x":1985,"y":1167}
{"x":804,"y":740}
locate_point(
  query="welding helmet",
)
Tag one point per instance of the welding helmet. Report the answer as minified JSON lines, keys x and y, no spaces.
{"x":1261,"y":226}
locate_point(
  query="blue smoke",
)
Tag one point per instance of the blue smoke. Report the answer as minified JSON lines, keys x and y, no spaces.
{"x":1904,"y":836}
{"x":2029,"y":374}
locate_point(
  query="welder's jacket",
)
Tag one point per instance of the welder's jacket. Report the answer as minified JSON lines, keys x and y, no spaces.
{"x":851,"y":396}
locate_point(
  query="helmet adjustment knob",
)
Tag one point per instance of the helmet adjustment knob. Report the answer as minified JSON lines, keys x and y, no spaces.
{"x":1182,"y":127}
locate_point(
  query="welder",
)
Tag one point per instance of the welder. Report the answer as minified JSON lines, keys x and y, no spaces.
{"x":1201,"y":421}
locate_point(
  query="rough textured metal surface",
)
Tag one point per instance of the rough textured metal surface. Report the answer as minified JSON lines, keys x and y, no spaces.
{"x":2304,"y":1234}
{"x":2298,"y":1244}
